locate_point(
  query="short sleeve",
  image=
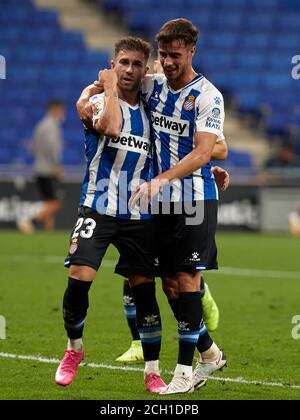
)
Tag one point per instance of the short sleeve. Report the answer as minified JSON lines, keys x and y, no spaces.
{"x":210,"y":113}
{"x":98,"y":102}
{"x":149,"y":82}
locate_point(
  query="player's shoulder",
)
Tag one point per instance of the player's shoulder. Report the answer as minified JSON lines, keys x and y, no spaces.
{"x":159,"y":77}
{"x":209,"y":91}
{"x":208,"y":87}
{"x":150,"y":79}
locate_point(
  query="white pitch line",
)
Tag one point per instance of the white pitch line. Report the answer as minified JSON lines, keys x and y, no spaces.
{"x":227,"y":271}
{"x":239,"y":380}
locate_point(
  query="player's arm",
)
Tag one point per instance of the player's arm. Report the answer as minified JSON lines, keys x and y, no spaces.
{"x":108,"y":119}
{"x":199,"y":157}
{"x":220,"y":150}
{"x":84,"y":107}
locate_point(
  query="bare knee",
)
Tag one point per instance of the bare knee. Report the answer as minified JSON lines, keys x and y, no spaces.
{"x":136,"y":280}
{"x":82,"y":272}
{"x":170,"y":288}
{"x":188,"y":282}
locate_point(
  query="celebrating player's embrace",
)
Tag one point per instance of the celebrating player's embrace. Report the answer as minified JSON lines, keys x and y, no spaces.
{"x":169,"y":132}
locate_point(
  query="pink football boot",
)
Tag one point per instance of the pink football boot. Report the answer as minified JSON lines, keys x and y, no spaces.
{"x":67,"y":369}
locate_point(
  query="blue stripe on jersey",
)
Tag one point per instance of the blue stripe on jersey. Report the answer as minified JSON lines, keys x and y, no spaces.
{"x":157,"y":88}
{"x":137,"y":126}
{"x":209,"y":183}
{"x":185,"y":145}
{"x":165,"y":138}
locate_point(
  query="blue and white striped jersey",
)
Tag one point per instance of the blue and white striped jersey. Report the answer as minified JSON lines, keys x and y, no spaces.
{"x":116,"y":166}
{"x":176,"y":116}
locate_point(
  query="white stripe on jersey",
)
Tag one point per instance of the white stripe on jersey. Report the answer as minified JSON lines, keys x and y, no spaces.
{"x":198,"y":187}
{"x":93,"y":174}
{"x":115,"y":170}
{"x":113,"y":183}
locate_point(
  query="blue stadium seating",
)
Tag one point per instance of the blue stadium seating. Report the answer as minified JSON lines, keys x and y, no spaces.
{"x":44,"y":62}
{"x":245,"y":48}
{"x":237,"y":158}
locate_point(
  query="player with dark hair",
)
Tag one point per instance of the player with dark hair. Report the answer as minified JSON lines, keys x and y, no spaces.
{"x":118,"y":149}
{"x":187,"y":117}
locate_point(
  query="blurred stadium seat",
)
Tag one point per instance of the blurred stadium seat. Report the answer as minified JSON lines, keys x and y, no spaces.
{"x":45,"y":62}
{"x":246,"y":49}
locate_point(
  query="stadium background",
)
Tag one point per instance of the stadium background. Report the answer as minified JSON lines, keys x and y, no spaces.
{"x":52,"y":49}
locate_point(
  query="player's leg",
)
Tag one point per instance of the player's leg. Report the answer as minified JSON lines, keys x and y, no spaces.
{"x":211,"y":357}
{"x":47,"y":213}
{"x":75,"y":306}
{"x":149,"y":328}
{"x":209,"y":351}
{"x":135,"y":351}
{"x":135,"y":243}
{"x":47,"y":187}
{"x":191,"y":245}
{"x":89,"y":241}
{"x":189,"y":319}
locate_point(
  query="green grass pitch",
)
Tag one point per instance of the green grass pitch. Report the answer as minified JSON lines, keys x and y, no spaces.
{"x":256,"y":309}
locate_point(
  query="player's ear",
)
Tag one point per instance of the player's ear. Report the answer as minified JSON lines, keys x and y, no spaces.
{"x":193,"y":50}
{"x":146,"y":70}
{"x":113,"y":64}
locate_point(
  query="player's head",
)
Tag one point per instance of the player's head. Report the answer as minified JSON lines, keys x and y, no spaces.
{"x":57,"y":109}
{"x":130,"y":62}
{"x":177,"y":40}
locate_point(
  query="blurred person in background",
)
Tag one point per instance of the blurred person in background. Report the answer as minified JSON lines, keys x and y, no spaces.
{"x":47,"y":148}
{"x":294,"y":222}
{"x":284,"y":158}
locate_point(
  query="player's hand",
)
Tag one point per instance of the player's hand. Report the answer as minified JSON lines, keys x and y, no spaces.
{"x":108,"y":79}
{"x":222,"y":177}
{"x":144,"y":193}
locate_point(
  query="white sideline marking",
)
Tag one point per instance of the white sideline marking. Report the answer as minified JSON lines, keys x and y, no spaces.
{"x":227,"y":271}
{"x":239,"y":380}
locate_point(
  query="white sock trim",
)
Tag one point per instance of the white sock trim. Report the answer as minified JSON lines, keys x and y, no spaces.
{"x":75,"y":344}
{"x":183,"y":370}
{"x":152,"y":366}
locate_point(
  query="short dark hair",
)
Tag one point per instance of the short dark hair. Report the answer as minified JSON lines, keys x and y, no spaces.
{"x":54,"y":103}
{"x":131,"y":43}
{"x":178,"y":29}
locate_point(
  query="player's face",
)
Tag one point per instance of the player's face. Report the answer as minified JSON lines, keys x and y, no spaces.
{"x":175,"y":58}
{"x":131,"y":68}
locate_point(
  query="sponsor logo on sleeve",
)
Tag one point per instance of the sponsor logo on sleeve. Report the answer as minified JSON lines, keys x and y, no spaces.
{"x":214,"y":120}
{"x":218,"y":100}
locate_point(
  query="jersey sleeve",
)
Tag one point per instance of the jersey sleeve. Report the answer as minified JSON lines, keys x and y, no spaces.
{"x":210,"y":113}
{"x":148,"y":83}
{"x":98,"y":102}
